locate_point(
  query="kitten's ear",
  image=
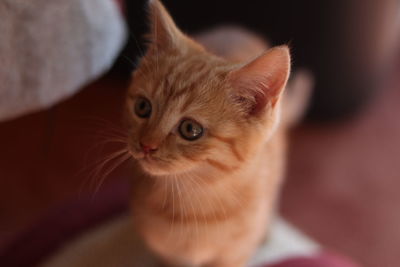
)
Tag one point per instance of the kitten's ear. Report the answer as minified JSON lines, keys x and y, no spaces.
{"x":262,"y":81}
{"x":163,"y":32}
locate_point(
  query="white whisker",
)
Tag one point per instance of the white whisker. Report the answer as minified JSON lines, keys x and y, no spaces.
{"x":110,"y":170}
{"x":181,"y":207}
{"x":98,"y":166}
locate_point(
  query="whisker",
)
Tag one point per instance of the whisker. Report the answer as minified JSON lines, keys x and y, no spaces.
{"x":109,"y":171}
{"x":111,"y":134}
{"x":112,"y":140}
{"x":219,"y":203}
{"x":218,"y":197}
{"x":96,"y":176}
{"x":210,"y":203}
{"x":181,"y":209}
{"x":109,"y":137}
{"x":165,"y":193}
{"x":173,"y":206}
{"x":194,"y":211}
{"x":98,"y":121}
{"x":99,"y":165}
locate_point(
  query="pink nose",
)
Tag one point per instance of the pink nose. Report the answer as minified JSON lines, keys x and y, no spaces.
{"x":147,"y":149}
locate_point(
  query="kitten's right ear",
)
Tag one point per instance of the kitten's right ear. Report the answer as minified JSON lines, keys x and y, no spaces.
{"x":261,"y":82}
{"x":163,"y":31}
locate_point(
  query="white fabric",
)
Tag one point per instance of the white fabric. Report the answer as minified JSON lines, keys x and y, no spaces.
{"x":49,"y":49}
{"x":284,"y":242}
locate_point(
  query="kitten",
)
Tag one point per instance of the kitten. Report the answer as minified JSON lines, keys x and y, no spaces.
{"x":209,"y":145}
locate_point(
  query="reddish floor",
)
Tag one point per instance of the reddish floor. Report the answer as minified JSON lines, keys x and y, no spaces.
{"x":342,"y":187}
{"x":343,"y":182}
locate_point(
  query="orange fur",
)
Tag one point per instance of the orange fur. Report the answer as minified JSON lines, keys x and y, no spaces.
{"x":206,"y":202}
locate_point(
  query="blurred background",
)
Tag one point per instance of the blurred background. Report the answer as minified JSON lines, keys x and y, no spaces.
{"x":60,"y":104}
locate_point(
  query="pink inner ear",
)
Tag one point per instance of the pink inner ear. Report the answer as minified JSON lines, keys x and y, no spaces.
{"x":263,"y":80}
{"x":261,"y":101}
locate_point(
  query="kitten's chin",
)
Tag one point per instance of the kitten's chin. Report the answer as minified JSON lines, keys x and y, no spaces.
{"x":158,"y":168}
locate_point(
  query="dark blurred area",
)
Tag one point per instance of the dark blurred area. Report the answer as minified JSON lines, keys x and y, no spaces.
{"x":343,"y":173}
{"x":345,"y":44}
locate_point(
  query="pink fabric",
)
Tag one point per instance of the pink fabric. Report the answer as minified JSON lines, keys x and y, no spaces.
{"x":323,"y":259}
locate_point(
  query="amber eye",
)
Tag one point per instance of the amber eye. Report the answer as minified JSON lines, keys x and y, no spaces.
{"x":142,"y":107}
{"x":190,"y":130}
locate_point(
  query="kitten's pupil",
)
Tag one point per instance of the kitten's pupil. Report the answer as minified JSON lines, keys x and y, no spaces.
{"x":189,"y":128}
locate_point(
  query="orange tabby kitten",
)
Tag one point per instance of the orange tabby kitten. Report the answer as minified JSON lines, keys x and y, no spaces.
{"x":208,"y":142}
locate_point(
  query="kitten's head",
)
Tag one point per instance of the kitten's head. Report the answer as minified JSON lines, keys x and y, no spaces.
{"x":190,"y":109}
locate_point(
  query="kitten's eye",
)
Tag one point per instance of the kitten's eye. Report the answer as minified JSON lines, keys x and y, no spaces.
{"x":190,"y":130}
{"x":142,"y":107}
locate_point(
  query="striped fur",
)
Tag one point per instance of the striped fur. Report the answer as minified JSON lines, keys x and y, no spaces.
{"x":206,"y":202}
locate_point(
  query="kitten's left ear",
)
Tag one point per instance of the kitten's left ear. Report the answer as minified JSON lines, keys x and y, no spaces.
{"x":262,"y":81}
{"x":163,"y":32}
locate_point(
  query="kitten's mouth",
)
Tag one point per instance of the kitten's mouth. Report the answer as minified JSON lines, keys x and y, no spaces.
{"x":148,"y":161}
{"x":140,"y":156}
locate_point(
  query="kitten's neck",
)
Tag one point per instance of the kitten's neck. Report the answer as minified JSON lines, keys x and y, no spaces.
{"x":208,"y":180}
{"x":202,"y":192}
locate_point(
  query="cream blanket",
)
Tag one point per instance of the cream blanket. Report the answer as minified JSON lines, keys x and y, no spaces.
{"x":49,"y":49}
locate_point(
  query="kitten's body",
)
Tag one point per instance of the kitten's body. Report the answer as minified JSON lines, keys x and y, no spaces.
{"x":206,"y":202}
{"x":209,"y":205}
{"x":217,"y":214}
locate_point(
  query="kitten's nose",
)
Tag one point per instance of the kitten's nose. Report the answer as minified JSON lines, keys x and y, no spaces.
{"x":147,"y":149}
